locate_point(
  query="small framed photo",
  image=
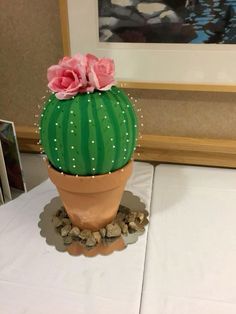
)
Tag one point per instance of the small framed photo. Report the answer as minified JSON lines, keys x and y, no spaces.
{"x":12,"y":182}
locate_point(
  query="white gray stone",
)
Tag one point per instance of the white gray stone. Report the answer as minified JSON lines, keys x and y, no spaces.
{"x":108,"y":22}
{"x":105,"y":34}
{"x":151,"y":9}
{"x":74,"y":232}
{"x":65,"y":230}
{"x":123,"y":3}
{"x":113,"y":230}
{"x":91,"y":241}
{"x":170,"y":15}
{"x":97,"y":236}
{"x":154,"y":20}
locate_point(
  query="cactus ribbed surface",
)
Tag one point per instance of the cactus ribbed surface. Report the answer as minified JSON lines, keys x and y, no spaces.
{"x":90,"y":134}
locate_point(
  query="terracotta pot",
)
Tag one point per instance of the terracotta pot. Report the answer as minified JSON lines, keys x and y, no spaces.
{"x":91,"y":202}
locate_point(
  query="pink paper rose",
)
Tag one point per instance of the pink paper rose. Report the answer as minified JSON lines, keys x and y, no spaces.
{"x":100,"y":72}
{"x":80,"y":74}
{"x":68,"y":78}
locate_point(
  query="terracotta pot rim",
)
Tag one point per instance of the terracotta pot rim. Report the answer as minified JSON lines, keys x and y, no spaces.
{"x":89,"y":184}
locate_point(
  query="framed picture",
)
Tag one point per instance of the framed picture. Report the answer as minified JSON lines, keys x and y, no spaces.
{"x":171,"y":61}
{"x":11,"y":177}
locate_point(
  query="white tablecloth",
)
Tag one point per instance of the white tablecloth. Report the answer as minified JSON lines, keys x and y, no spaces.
{"x":35,"y":278}
{"x":191,"y":253}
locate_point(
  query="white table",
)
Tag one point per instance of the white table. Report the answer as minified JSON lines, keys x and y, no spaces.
{"x":36,"y":278}
{"x":185,"y":264}
{"x":191,"y":253}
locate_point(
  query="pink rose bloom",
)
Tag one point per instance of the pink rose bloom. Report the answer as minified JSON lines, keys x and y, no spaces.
{"x":68,"y":78}
{"x":100,"y":72}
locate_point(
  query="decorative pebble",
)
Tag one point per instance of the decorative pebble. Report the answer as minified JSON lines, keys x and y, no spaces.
{"x":103,"y":232}
{"x":113,"y":230}
{"x":140,"y":217}
{"x":91,"y":241}
{"x":67,"y":240}
{"x":75,"y":231}
{"x":56,"y":221}
{"x":65,"y":230}
{"x":85,"y":234}
{"x":97,"y":236}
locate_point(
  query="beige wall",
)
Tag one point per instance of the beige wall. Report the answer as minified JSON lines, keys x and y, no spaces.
{"x":194,"y":114}
{"x":30,"y":39}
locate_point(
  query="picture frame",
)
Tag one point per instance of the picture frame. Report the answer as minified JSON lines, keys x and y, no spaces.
{"x":194,"y":67}
{"x":12,"y":182}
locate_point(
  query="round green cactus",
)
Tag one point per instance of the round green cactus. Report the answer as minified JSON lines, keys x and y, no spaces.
{"x":89,"y":134}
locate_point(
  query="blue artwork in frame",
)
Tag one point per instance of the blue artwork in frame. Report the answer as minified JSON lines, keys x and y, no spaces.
{"x":168,"y":21}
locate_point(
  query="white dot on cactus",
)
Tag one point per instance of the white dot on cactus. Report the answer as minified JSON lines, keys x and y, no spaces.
{"x":127,"y":133}
{"x":124,"y":157}
{"x":113,"y":146}
{"x":72,"y":147}
{"x":58,"y":107}
{"x":135,"y":126}
{"x":125,"y":149}
{"x":39,"y":127}
{"x":73,"y":97}
{"x":72,"y":131}
{"x":89,"y":100}
{"x":92,"y":142}
{"x":71,"y":111}
{"x":112,"y":139}
{"x":123,"y":112}
{"x":124,"y":121}
{"x":135,"y":148}
{"x":90,"y":121}
{"x":71,"y":122}
{"x":56,"y":148}
{"x":93,"y":169}
{"x":99,"y":94}
{"x":118,"y":102}
{"x":93,"y":158}
{"x":37,"y":115}
{"x":49,"y":100}
{"x":105,"y":117}
{"x":113,"y":161}
{"x":74,"y":166}
{"x":56,"y":123}
{"x":88,"y":93}
{"x":73,"y":159}
{"x":127,"y":106}
{"x":101,"y":106}
{"x":55,"y":139}
{"x":108,"y":126}
{"x":58,"y":159}
{"x":60,"y":167}
{"x":44,"y":108}
{"x":127,"y":141}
